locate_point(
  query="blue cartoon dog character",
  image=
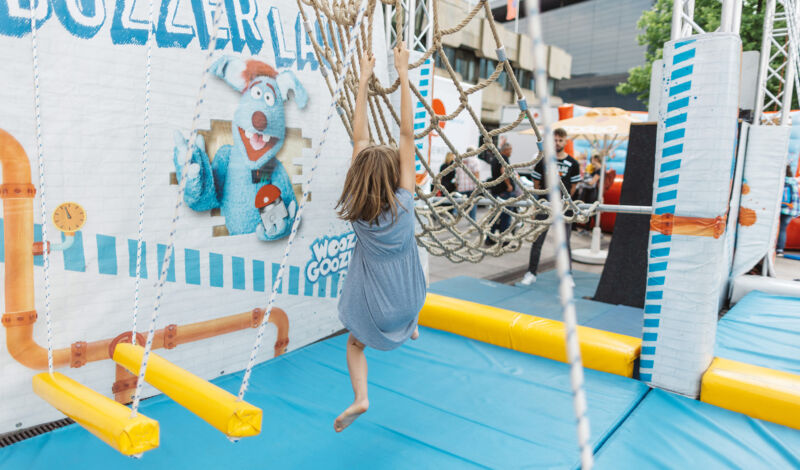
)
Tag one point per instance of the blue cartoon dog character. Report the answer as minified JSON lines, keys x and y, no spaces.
{"x":233,"y":179}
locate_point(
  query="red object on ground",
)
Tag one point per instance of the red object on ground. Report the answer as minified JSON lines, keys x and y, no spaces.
{"x":565,"y":112}
{"x":611,"y":196}
{"x":793,"y":235}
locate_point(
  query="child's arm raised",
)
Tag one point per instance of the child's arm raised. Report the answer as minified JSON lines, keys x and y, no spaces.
{"x":406,"y":148}
{"x":360,"y":117}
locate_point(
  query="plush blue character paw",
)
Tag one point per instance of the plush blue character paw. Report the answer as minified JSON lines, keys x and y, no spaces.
{"x":200,"y":192}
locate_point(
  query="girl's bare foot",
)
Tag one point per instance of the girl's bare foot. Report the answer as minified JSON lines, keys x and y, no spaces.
{"x":350,"y":414}
{"x":415,"y":334}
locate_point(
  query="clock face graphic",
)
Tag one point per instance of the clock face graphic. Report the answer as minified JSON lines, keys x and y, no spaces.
{"x":69,"y":217}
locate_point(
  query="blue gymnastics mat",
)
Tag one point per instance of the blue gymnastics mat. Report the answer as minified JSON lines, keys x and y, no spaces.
{"x":668,"y":431}
{"x":763,"y":330}
{"x":440,"y":402}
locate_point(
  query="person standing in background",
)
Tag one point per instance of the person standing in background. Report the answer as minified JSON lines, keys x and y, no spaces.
{"x":464,"y":183}
{"x":790,"y":207}
{"x":503,"y":190}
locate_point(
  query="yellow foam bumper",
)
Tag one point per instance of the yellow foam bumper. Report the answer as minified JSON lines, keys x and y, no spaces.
{"x":601,"y":350}
{"x":224,"y":411}
{"x":110,"y":421}
{"x":756,"y":391}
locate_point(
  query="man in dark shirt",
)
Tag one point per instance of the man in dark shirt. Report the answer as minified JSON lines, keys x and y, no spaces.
{"x":570,"y":172}
{"x":503,"y":190}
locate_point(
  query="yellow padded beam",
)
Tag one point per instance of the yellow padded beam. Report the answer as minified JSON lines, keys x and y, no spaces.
{"x":110,"y":421}
{"x":758,"y":392}
{"x":601,"y":350}
{"x":233,"y":417}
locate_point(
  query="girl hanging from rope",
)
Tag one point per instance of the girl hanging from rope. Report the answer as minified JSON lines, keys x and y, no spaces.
{"x":385,"y":287}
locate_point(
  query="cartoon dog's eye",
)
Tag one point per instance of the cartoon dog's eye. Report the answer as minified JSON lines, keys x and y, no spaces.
{"x":269,"y":98}
{"x":256,"y":92}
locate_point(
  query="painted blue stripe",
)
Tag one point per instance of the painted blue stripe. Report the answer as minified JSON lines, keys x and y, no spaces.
{"x":38,"y":260}
{"x":681,"y":72}
{"x":2,"y":243}
{"x":420,"y":105}
{"x":74,"y":258}
{"x":106,"y":254}
{"x":673,"y":135}
{"x":651,"y":322}
{"x":294,"y":280}
{"x":419,"y":125}
{"x":323,"y":287}
{"x":672,"y":150}
{"x":668,"y":181}
{"x":334,"y":285}
{"x":660,"y":238}
{"x":191,"y":266}
{"x":678,"y":104}
{"x":659,"y":252}
{"x":132,"y":259}
{"x":216,"y":270}
{"x":667,"y":195}
{"x":162,"y":250}
{"x":424,"y":93}
{"x":237,"y":270}
{"x":648,"y":350}
{"x":655,"y":294}
{"x":680,"y":88}
{"x":646,"y":377}
{"x":308,"y":288}
{"x":675,"y":120}
{"x":652,"y":309}
{"x":275,"y":268}
{"x":665,"y":210}
{"x":258,"y":276}
{"x":671,"y":166}
{"x":646,"y":363}
{"x":424,"y":82}
{"x":656,"y":281}
{"x":650,"y":337}
{"x":683,"y":56}
{"x":680,"y":44}
{"x":655,"y":267}
{"x":425,"y":71}
{"x":420,"y":115}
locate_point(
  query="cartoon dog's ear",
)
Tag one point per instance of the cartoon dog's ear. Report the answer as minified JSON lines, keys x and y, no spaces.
{"x":230,"y":69}
{"x":287,"y":81}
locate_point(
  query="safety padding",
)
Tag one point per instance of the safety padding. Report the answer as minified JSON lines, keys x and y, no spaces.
{"x":231,"y":416}
{"x":110,"y":421}
{"x":756,"y":391}
{"x":601,"y":350}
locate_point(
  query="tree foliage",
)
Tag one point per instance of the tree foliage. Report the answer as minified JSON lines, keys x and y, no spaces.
{"x":656,"y":24}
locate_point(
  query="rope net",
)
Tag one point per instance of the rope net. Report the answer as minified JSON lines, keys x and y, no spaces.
{"x":445,"y":225}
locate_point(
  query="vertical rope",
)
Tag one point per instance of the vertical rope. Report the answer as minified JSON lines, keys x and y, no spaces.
{"x":143,"y":168}
{"x":218,"y":13}
{"x":562,"y":256}
{"x":37,"y":111}
{"x":339,"y":86}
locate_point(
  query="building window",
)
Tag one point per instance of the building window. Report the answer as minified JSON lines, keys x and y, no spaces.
{"x":450,"y":53}
{"x":487,"y":67}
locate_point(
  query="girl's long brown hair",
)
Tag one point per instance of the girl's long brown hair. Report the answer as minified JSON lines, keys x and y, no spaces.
{"x":369,"y":186}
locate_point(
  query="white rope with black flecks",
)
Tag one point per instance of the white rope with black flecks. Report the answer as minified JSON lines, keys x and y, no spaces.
{"x":289,"y":244}
{"x":40,"y":158}
{"x":143,"y":166}
{"x":562,"y":254}
{"x":218,"y":13}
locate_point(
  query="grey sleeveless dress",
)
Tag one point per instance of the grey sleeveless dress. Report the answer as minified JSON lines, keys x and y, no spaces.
{"x":384,"y":289}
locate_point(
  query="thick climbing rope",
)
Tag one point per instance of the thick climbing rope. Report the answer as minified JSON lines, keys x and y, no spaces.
{"x":562,"y":253}
{"x":218,"y":13}
{"x":354,"y":29}
{"x":37,"y":111}
{"x":143,"y":166}
{"x":457,"y":236}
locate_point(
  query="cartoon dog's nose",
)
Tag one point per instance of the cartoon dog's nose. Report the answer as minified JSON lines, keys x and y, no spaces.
{"x":259,"y":120}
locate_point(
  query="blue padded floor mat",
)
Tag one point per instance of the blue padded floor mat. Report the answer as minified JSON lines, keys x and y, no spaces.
{"x":668,"y":431}
{"x":762,"y":330}
{"x":440,"y":402}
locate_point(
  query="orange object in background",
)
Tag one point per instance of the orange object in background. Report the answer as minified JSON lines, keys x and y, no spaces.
{"x":793,"y":235}
{"x":611,"y":196}
{"x":565,"y":112}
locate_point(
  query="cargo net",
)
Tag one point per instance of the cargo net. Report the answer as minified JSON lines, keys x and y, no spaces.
{"x":445,"y":225}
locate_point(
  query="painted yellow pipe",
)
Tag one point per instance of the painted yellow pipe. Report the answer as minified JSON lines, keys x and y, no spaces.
{"x":758,"y":392}
{"x":600,"y":350}
{"x":224,"y":411}
{"x":110,"y":421}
